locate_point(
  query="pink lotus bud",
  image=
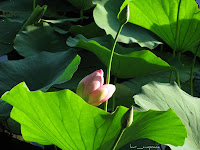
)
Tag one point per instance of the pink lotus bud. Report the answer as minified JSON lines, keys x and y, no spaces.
{"x":101,"y":94}
{"x":90,"y":83}
{"x":92,"y":90}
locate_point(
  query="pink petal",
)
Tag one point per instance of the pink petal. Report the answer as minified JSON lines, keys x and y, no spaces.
{"x":90,"y":83}
{"x":93,"y":81}
{"x":102,"y":94}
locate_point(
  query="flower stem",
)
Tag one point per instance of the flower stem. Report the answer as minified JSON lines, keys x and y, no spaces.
{"x":118,"y":138}
{"x":179,"y":56}
{"x":111,"y":55}
{"x":192,"y":70}
{"x":110,"y":62}
{"x":177,"y":78}
{"x":113,"y":104}
{"x":171,"y":77}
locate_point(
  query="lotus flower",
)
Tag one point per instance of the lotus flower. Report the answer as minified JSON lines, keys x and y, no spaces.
{"x":93,"y":90}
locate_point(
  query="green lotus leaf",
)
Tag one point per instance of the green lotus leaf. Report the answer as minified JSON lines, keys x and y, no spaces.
{"x":105,"y":16}
{"x":160,"y":96}
{"x":16,"y":10}
{"x":160,"y":17}
{"x":128,"y":65}
{"x":89,"y":31}
{"x":37,"y":38}
{"x":8,"y":31}
{"x":40,"y":71}
{"x":35,"y":17}
{"x":64,"y":119}
{"x":82,"y":4}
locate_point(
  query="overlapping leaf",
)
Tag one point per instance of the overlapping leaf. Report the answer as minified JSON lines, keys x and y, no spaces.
{"x":89,"y":64}
{"x":8,"y":32}
{"x":40,"y":71}
{"x":38,"y":38}
{"x":16,"y":10}
{"x":105,"y":16}
{"x":35,"y":17}
{"x":159,"y":96}
{"x":64,"y":119}
{"x":89,"y":31}
{"x":160,"y":17}
{"x":5,"y":109}
{"x":82,"y":4}
{"x":124,"y":66}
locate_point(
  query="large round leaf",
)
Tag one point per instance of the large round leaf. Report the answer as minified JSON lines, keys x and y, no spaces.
{"x":159,"y":96}
{"x":105,"y":16}
{"x":64,"y":119}
{"x":160,"y":17}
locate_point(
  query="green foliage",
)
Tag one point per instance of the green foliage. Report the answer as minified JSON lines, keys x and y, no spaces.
{"x":5,"y":109}
{"x":16,"y":10}
{"x":39,"y":71}
{"x":160,"y":17}
{"x":82,"y":4}
{"x":28,"y":42}
{"x":157,"y":96}
{"x":89,"y":31}
{"x":105,"y":16}
{"x":143,"y":61}
{"x":8,"y":32}
{"x":33,"y":35}
{"x":64,"y":119}
{"x":35,"y":17}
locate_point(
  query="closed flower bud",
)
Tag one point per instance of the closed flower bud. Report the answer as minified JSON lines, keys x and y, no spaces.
{"x":127,"y":119}
{"x":90,"y":83}
{"x":124,"y":15}
{"x":92,"y":90}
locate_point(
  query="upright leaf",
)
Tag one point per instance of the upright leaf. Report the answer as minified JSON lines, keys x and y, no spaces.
{"x":160,"y":17}
{"x":36,"y":16}
{"x":105,"y":16}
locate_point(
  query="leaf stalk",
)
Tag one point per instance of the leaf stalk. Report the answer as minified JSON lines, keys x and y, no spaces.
{"x":176,"y":34}
{"x":177,"y":78}
{"x":192,"y":70}
{"x":113,"y":104}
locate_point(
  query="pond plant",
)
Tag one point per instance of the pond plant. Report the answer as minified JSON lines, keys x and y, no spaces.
{"x":101,"y":74}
